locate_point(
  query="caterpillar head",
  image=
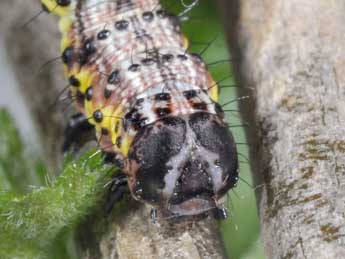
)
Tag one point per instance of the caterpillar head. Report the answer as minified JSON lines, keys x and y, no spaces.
{"x":183,"y":165}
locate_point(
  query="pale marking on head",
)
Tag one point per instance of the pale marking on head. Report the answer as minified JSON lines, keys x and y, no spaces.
{"x":192,"y":150}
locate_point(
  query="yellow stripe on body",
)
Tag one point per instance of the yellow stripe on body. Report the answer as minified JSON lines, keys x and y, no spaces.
{"x":213,"y":92}
{"x":53,"y":7}
{"x":185,"y":42}
{"x":65,"y":24}
{"x":126,"y":139}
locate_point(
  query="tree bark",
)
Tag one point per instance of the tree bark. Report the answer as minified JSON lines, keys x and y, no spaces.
{"x":293,"y":53}
{"x":132,"y":234}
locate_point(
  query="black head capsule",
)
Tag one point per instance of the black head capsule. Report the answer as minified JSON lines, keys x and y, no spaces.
{"x":184,"y":164}
{"x":63,"y":2}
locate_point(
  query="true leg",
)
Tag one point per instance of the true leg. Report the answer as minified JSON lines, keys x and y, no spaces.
{"x":77,"y":132}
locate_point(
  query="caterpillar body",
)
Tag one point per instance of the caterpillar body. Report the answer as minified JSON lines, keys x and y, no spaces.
{"x":153,"y":105}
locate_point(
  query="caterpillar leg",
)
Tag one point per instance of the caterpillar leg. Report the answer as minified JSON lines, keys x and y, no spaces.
{"x":117,"y":190}
{"x":77,"y":132}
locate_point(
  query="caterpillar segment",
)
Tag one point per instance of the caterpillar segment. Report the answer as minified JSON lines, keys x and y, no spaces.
{"x":153,"y":104}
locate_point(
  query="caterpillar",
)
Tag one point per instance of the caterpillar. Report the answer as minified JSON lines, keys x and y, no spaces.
{"x":153,"y":104}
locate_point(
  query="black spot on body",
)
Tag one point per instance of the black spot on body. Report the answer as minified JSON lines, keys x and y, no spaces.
{"x":63,"y":2}
{"x":182,"y":57}
{"x":67,"y":55}
{"x":82,"y":58}
{"x":114,"y":78}
{"x":119,"y":141}
{"x":107,"y":93}
{"x":89,"y":47}
{"x":103,"y":34}
{"x":134,"y":67}
{"x":163,"y":97}
{"x":139,"y":101}
{"x":148,"y":16}
{"x":121,"y":25}
{"x":74,"y":81}
{"x":167,"y":58}
{"x":123,"y":5}
{"x":98,"y":116}
{"x":89,"y":93}
{"x":147,"y":61}
{"x":189,"y":94}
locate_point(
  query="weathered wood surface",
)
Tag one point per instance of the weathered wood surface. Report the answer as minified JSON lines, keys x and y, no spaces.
{"x":132,"y":235}
{"x":293,"y":52}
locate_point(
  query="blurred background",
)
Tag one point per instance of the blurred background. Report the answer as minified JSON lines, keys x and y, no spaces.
{"x":204,"y":30}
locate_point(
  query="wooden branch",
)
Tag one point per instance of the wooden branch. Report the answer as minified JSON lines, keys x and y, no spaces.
{"x":293,"y":52}
{"x":131,"y":235}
